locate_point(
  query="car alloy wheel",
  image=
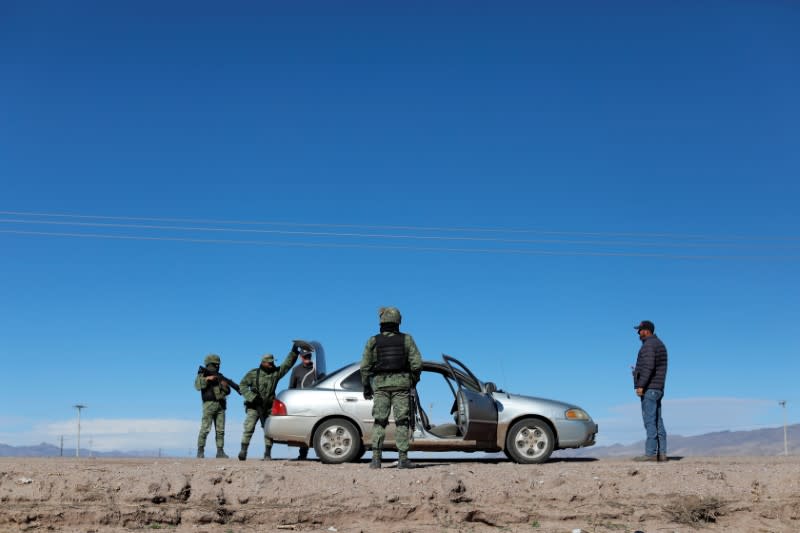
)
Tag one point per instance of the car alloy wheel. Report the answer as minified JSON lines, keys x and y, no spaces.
{"x":337,"y":441}
{"x":530,"y":441}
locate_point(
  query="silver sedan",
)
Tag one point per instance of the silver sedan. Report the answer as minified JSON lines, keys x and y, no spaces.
{"x":334,"y":418}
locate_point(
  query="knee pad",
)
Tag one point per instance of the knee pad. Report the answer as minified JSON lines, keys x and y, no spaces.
{"x":381,"y":423}
{"x":401,"y":422}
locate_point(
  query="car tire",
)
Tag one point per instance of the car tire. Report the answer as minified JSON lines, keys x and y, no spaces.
{"x":337,"y":441}
{"x":530,"y":441}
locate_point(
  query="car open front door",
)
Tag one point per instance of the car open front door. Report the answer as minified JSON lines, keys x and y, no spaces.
{"x":477,"y":410}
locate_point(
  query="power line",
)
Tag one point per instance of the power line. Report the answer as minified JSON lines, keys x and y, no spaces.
{"x":381,"y":235}
{"x":402,"y":248}
{"x":791,"y":238}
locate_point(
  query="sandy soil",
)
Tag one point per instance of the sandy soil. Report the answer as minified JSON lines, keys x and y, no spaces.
{"x":749,"y":494}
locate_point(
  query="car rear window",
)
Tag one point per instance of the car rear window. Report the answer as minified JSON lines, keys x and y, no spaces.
{"x":353,"y":381}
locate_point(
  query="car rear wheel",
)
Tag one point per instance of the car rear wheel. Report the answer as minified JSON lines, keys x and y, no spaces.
{"x":337,"y":441}
{"x":530,"y":441}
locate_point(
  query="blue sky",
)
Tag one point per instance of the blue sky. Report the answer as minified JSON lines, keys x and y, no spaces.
{"x":524,"y":181}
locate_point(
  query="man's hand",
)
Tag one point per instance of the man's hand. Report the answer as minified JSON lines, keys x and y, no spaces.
{"x":301,"y":347}
{"x":211,"y":378}
{"x":368,"y":394}
{"x":639,"y":391}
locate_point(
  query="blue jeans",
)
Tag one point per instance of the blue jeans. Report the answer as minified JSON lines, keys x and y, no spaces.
{"x":656,"y":442}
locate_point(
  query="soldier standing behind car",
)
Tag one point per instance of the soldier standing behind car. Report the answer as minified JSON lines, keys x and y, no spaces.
{"x":390,"y":367}
{"x":302,"y":377}
{"x":258,"y":389}
{"x":213,"y":392}
{"x":649,"y":378}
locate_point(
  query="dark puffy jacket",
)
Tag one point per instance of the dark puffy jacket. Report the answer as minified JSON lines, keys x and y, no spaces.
{"x":302,"y":377}
{"x":651,"y":365}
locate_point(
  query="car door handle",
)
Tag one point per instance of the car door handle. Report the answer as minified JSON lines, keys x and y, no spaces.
{"x":351,"y":399}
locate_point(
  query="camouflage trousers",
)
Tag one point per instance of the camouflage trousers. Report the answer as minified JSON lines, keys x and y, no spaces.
{"x":385,"y":401}
{"x":253,"y":416}
{"x":213,"y":413}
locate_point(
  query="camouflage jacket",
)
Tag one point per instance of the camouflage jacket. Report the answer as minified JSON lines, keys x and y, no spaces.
{"x":394,"y":381}
{"x":211,"y":390}
{"x":258,"y":385}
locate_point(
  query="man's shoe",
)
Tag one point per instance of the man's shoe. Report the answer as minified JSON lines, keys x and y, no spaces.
{"x":243,"y":453}
{"x":405,"y":463}
{"x":646,"y":458}
{"x":221,"y":454}
{"x":375,"y":463}
{"x":201,"y":452}
{"x":267,"y":455}
{"x":662,"y":458}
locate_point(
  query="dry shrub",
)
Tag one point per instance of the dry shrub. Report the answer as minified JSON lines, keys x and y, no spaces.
{"x":694,"y":510}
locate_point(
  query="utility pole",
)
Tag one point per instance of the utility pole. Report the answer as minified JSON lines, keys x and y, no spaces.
{"x":782,"y":403}
{"x":78,"y":447}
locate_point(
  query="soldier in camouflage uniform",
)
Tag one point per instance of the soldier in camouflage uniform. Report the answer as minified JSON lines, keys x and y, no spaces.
{"x":213,"y":392}
{"x":390,"y":367}
{"x":258,"y":388}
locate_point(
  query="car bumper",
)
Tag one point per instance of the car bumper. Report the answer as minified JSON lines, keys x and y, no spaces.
{"x":295,"y":430}
{"x":576,"y":433}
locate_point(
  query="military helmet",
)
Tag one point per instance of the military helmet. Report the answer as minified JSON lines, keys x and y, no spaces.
{"x":268,"y":358}
{"x":389,"y":314}
{"x":211,"y":359}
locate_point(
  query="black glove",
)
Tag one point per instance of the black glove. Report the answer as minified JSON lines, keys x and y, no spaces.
{"x":301,"y":347}
{"x":368,"y":392}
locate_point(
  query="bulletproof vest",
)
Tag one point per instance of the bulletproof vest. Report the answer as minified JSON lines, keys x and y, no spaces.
{"x":208,"y":395}
{"x":391,"y":350}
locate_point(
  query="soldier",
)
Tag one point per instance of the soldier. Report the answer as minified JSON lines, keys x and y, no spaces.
{"x":303,"y":376}
{"x":390,"y":367}
{"x":213,"y":389}
{"x":258,"y":388}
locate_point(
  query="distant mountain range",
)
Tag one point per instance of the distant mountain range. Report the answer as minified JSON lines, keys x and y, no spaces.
{"x":49,"y":450}
{"x":758,"y":442}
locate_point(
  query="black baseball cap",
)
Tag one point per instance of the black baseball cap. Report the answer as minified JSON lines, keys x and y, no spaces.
{"x":646,"y":324}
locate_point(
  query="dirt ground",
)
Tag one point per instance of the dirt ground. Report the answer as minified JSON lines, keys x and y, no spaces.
{"x":749,"y":494}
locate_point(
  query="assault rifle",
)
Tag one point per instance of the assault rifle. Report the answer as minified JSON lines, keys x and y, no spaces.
{"x":206,"y":372}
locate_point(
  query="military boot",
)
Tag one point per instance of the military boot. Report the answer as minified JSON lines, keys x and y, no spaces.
{"x":243,"y":452}
{"x":267,"y":454}
{"x":201,"y":452}
{"x":404,"y":462}
{"x":221,"y":454}
{"x":376,"y":461}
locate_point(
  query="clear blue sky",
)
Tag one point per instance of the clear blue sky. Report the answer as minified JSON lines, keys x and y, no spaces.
{"x":655,"y":147}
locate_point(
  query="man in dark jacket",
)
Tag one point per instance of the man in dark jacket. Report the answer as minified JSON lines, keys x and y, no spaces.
{"x":649,"y":377}
{"x":302,"y":377}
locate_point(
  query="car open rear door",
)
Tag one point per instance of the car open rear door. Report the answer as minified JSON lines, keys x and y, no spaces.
{"x":477,"y":410}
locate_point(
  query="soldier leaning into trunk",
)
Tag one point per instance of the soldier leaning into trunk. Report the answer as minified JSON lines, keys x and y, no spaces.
{"x":258,"y":388}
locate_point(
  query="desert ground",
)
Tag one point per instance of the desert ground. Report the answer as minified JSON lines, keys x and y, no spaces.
{"x":749,"y":494}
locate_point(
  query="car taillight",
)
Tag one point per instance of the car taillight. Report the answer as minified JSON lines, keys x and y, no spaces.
{"x":278,"y":408}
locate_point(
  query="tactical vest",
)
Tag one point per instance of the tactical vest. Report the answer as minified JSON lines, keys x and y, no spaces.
{"x":391,"y":350}
{"x":208,"y":395}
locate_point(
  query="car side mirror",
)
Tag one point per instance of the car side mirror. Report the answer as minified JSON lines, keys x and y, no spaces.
{"x":489,"y":387}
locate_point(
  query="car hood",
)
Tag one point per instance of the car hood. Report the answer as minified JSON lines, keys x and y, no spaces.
{"x":533,"y":404}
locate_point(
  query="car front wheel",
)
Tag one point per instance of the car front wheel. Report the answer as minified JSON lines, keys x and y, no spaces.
{"x":337,"y":441}
{"x":530,"y":441}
